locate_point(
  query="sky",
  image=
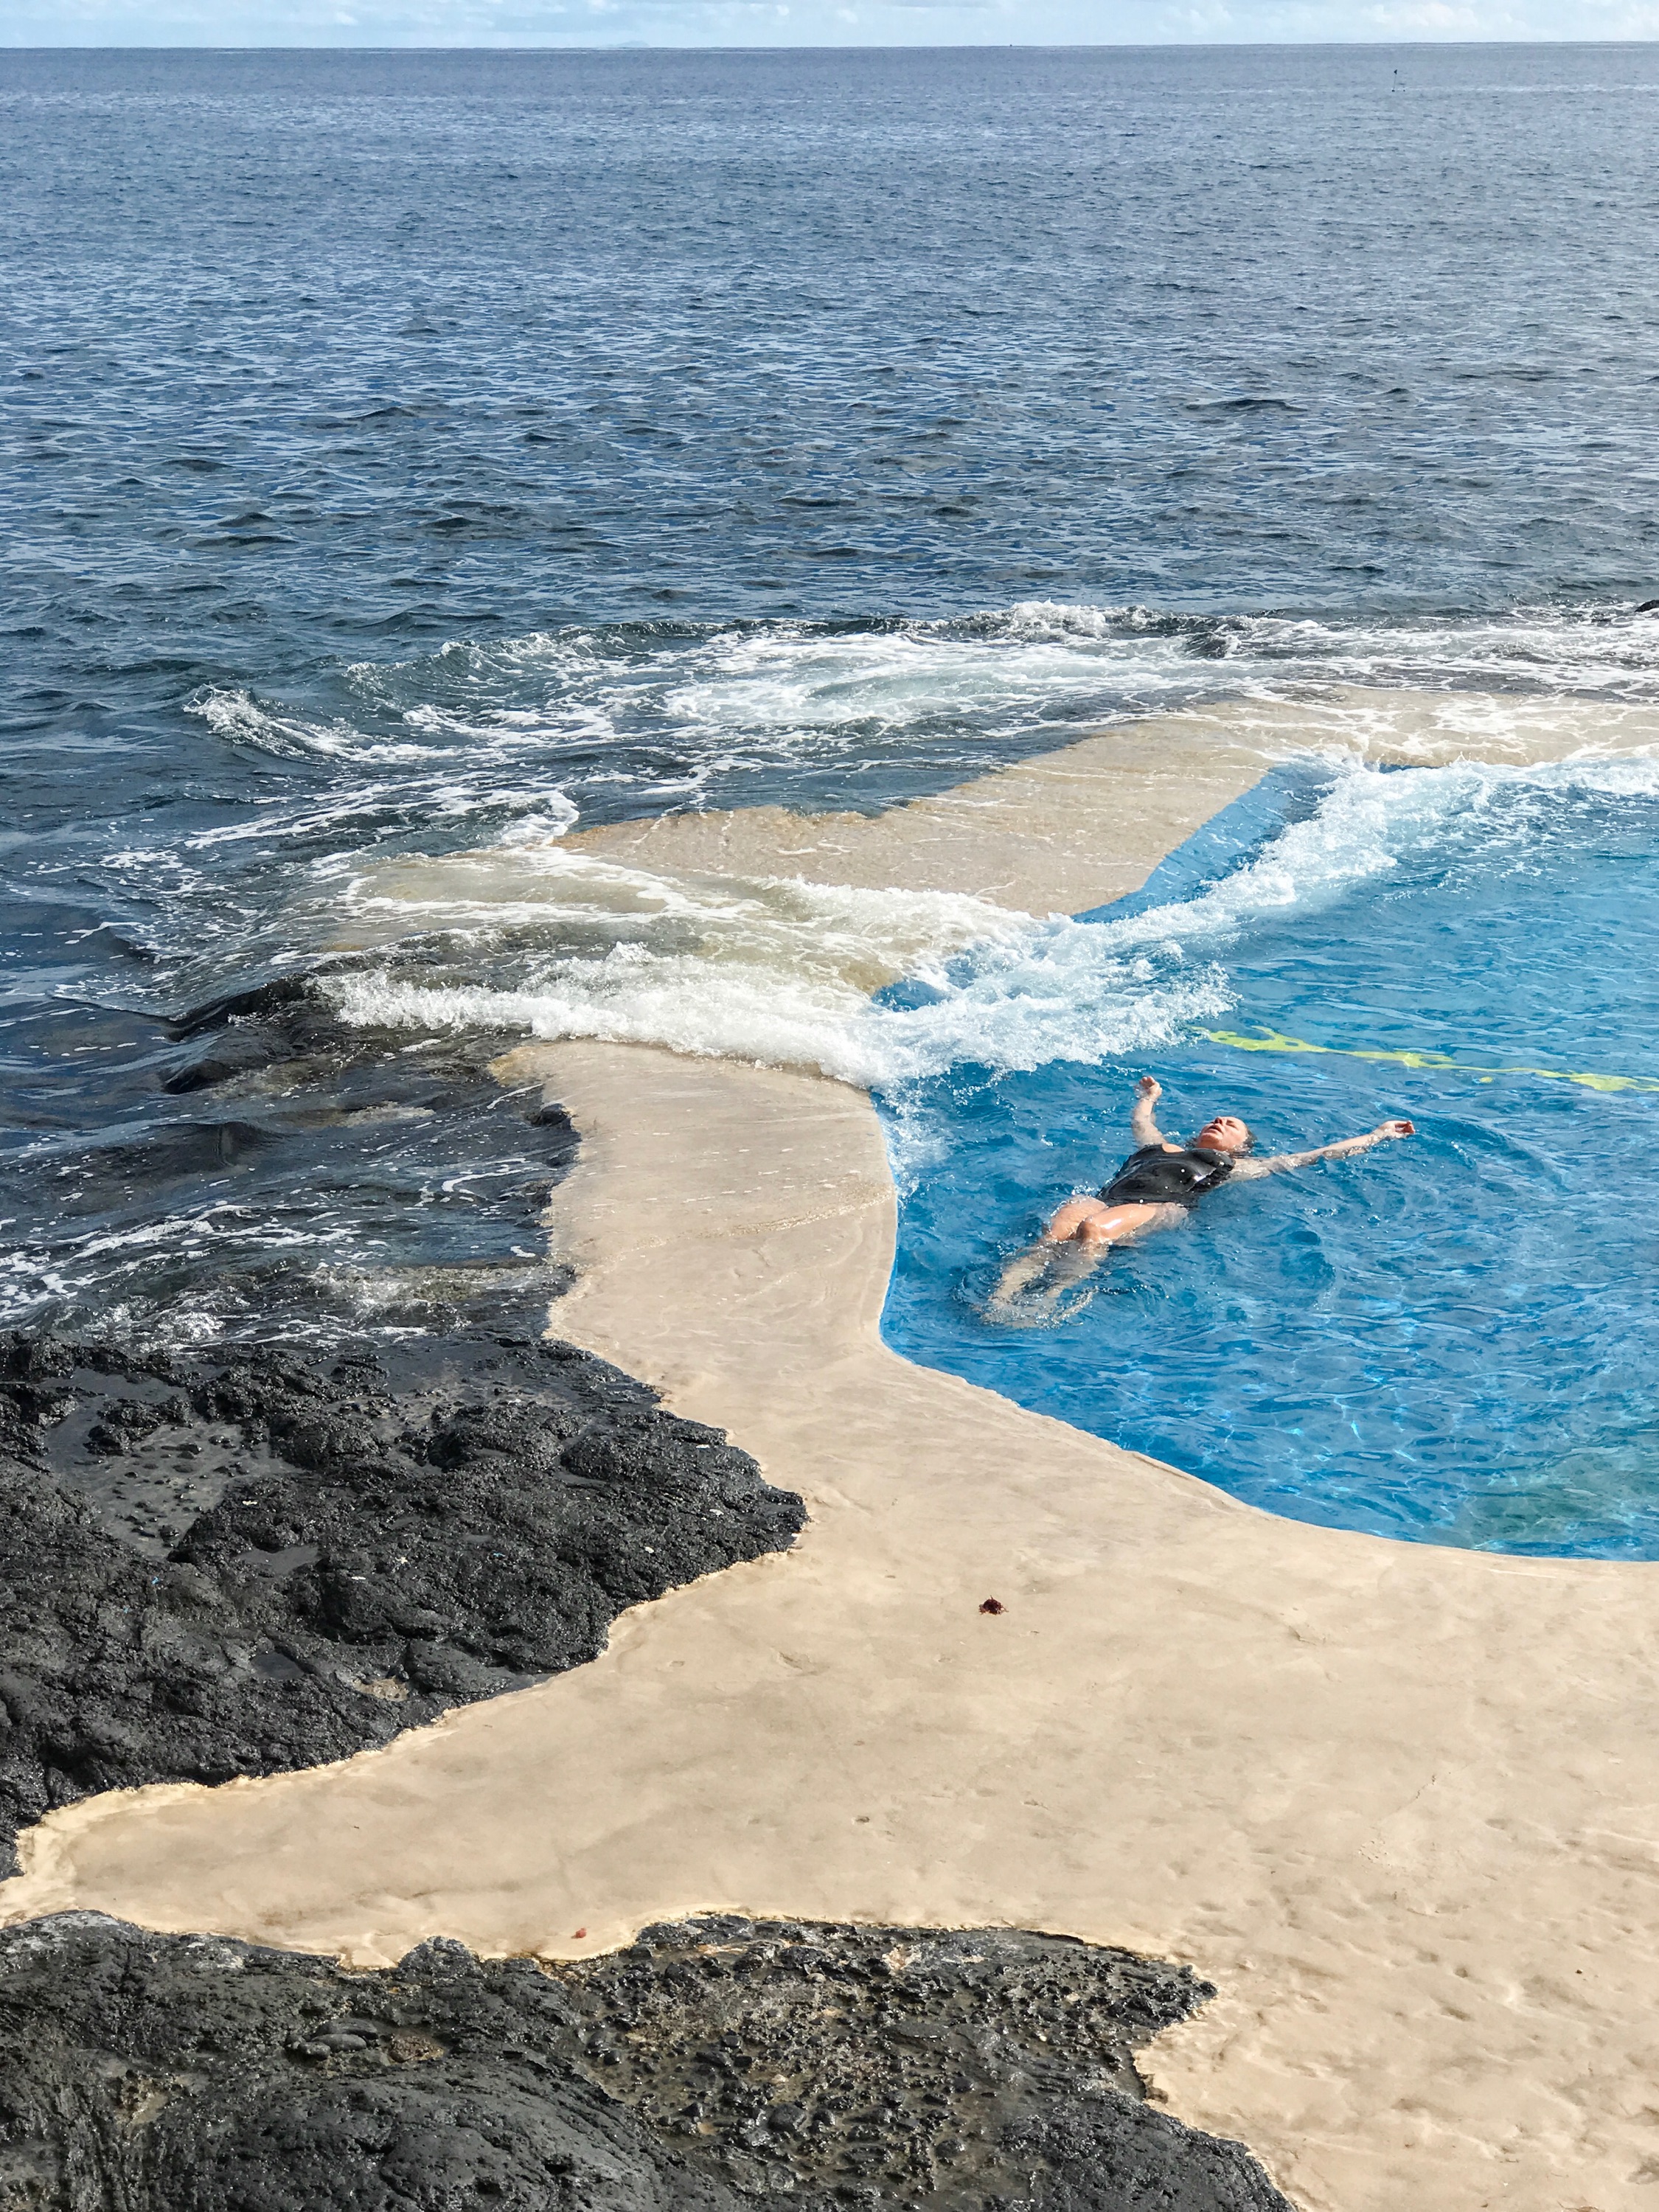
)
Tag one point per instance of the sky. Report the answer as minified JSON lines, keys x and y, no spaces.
{"x":807,"y":22}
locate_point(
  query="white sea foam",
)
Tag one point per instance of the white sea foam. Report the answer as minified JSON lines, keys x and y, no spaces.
{"x":768,"y":969}
{"x":1366,"y":823}
{"x":1035,"y":665}
{"x":551,"y":943}
{"x":716,"y":715}
{"x":738,"y":695}
{"x":720,"y":697}
{"x":496,"y":745}
{"x":1050,"y":998}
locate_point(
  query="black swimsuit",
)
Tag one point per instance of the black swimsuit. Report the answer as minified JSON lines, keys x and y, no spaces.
{"x":1153,"y":1176}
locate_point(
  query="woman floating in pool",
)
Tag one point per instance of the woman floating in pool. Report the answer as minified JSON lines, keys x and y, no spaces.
{"x":1153,"y":1189}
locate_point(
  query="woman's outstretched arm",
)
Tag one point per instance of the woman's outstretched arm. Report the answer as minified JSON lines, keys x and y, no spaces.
{"x":1143,"y":1122}
{"x":1342,"y":1150}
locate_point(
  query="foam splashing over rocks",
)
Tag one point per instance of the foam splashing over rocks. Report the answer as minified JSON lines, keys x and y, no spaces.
{"x":881,"y":988}
{"x":771,"y":970}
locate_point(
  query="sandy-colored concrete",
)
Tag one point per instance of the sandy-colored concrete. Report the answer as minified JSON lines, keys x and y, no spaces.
{"x":1072,"y":829}
{"x":1401,"y":1804}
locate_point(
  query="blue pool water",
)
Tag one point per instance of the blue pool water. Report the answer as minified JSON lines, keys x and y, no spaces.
{"x":1451,"y":1340}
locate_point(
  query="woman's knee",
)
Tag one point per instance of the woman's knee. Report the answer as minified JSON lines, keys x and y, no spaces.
{"x":1073,"y":1218}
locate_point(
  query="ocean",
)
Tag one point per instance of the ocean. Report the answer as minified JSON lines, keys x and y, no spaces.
{"x":411,"y":457}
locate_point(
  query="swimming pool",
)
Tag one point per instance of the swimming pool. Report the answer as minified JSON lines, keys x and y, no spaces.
{"x":1451,"y":1340}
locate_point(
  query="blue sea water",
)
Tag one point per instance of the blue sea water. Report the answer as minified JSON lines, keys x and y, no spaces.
{"x":408,"y":456}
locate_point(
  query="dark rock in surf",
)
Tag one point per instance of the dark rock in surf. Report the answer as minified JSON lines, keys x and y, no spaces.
{"x":240,"y":1563}
{"x":713,"y":2064}
{"x":358,"y":1179}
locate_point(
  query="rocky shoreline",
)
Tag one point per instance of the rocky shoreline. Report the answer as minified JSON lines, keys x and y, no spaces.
{"x":712,"y":2065}
{"x":246,"y":1561}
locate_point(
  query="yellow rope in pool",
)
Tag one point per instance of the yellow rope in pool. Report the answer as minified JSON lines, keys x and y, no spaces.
{"x":1273,"y":1041}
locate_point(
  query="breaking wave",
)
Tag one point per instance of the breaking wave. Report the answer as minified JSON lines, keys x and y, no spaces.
{"x":885,"y":987}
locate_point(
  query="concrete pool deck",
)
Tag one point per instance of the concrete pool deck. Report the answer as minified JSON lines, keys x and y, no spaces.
{"x":1400,"y":1804}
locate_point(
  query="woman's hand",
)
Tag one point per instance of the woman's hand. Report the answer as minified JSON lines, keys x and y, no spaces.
{"x":1151,"y":1089}
{"x":1395,"y":1129}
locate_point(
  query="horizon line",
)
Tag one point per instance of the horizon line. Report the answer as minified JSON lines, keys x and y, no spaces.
{"x":803,"y":46}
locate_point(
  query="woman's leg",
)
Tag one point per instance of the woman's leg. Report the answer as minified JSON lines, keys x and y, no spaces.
{"x":1116,"y":1225}
{"x":1023,"y":1268}
{"x":1071,"y":1247}
{"x":1071,"y":1217}
{"x":1026,"y":1266}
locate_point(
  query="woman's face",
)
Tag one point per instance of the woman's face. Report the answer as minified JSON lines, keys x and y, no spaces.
{"x":1226,"y":1134}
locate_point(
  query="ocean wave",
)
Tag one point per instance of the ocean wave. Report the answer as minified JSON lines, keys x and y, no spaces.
{"x":497,"y":748}
{"x":1050,"y":998}
{"x":773,"y":970}
{"x":551,"y":943}
{"x":472,"y":792}
{"x":239,"y":719}
{"x":1368,"y":821}
{"x":1595,"y":650}
{"x":1035,"y":664}
{"x":633,"y":718}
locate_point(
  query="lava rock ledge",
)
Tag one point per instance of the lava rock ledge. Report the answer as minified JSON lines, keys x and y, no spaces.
{"x":241,"y":1562}
{"x":246,"y":1562}
{"x":716,"y":2065}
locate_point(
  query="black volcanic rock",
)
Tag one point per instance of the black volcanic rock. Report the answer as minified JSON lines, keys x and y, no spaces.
{"x":714,"y":2064}
{"x":239,"y":1563}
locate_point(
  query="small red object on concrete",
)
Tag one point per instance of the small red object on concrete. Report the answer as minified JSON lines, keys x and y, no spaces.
{"x":992,"y":1604}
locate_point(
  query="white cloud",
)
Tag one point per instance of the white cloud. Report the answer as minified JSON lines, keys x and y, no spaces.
{"x":814,"y":22}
